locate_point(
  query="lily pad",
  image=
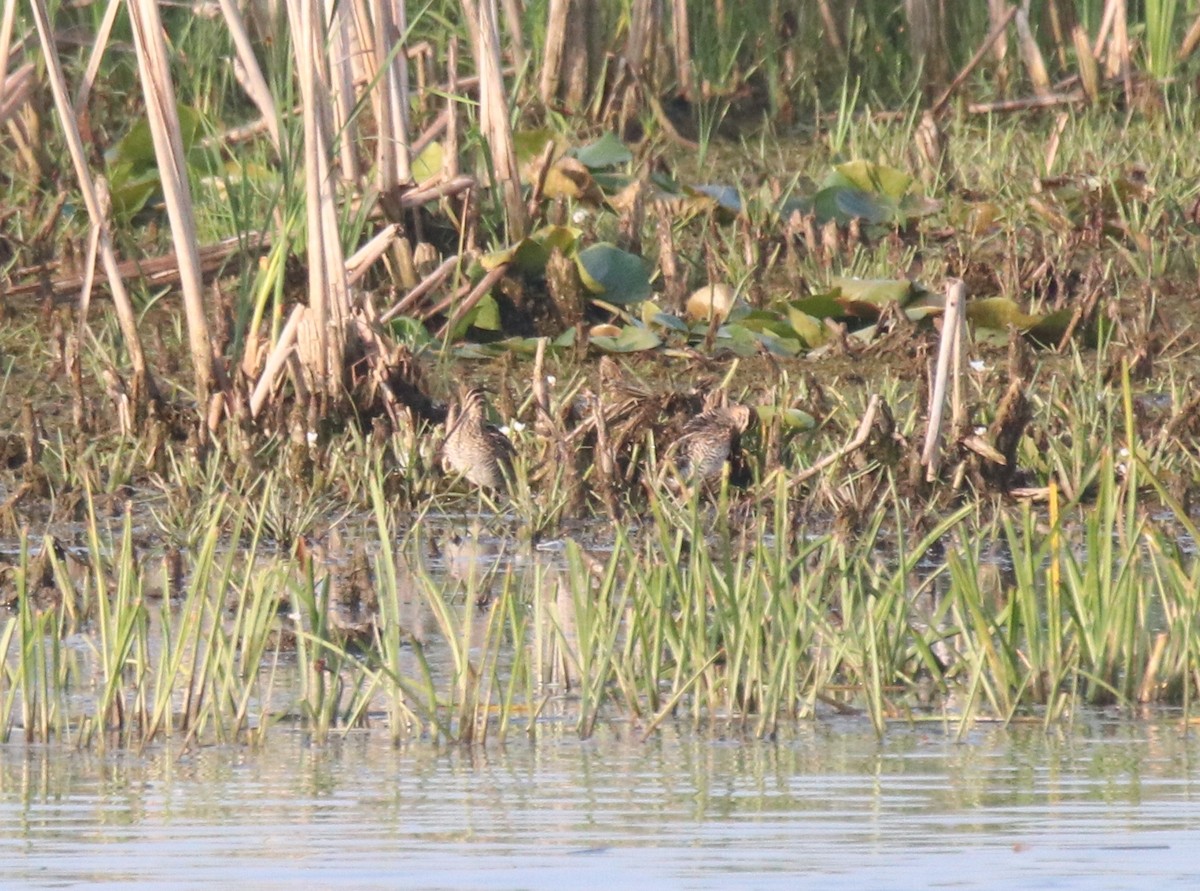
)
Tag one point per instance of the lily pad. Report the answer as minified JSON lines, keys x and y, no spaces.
{"x":871,"y":177}
{"x":632,"y":339}
{"x":618,"y":275}
{"x":530,"y":254}
{"x":793,"y":418}
{"x":878,"y":292}
{"x":133,"y":177}
{"x":809,"y":329}
{"x":997,"y":313}
{"x":429,"y":163}
{"x":607,"y":151}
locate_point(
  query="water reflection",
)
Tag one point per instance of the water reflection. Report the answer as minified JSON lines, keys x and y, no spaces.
{"x":826,"y":806}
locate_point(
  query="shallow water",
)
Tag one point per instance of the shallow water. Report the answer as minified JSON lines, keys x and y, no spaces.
{"x":1105,"y":803}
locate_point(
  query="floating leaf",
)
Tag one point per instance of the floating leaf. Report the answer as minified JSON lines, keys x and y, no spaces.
{"x":1051,"y":328}
{"x":632,"y":339}
{"x":133,"y":177}
{"x":810,"y":330}
{"x":530,"y":254}
{"x":653,"y":314}
{"x":529,"y":144}
{"x":820,"y":306}
{"x":411,"y":332}
{"x":871,"y":177}
{"x":429,"y":163}
{"x":878,"y":292}
{"x":998,"y":313}
{"x":607,"y":151}
{"x":760,"y":321}
{"x":616,"y":274}
{"x":793,"y":418}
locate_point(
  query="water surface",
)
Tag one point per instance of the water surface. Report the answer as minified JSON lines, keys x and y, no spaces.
{"x":1105,"y":803}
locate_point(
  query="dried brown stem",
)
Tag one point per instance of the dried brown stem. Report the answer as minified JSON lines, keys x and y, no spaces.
{"x":997,"y":30}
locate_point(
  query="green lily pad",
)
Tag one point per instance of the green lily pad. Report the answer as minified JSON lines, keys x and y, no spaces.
{"x":607,"y":151}
{"x":484,"y":315}
{"x":618,"y":275}
{"x":632,"y":339}
{"x":530,"y":254}
{"x":871,"y":177}
{"x":819,"y":306}
{"x":997,"y":313}
{"x":809,"y":329}
{"x":429,"y":163}
{"x":133,"y":177}
{"x":529,"y":144}
{"x":411,"y":332}
{"x":1051,"y":328}
{"x":878,"y":292}
{"x":789,"y":418}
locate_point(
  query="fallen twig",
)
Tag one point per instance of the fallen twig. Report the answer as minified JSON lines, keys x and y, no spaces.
{"x":860,"y":439}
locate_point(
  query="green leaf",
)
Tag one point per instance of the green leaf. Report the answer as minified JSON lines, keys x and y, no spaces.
{"x":632,"y":339}
{"x":871,"y":177}
{"x":529,"y":144}
{"x":810,"y":330}
{"x":530,"y":254}
{"x":878,"y":292}
{"x":618,"y":275}
{"x":997,"y":313}
{"x":429,"y":163}
{"x":792,"y":418}
{"x":819,"y":306}
{"x":607,"y":151}
{"x":411,"y":332}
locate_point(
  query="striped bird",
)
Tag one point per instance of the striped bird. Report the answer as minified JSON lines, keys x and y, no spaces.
{"x":709,"y":440}
{"x":473,"y":447}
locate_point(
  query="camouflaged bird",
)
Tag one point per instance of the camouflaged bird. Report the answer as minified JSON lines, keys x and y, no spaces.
{"x":709,"y":440}
{"x":473,"y":447}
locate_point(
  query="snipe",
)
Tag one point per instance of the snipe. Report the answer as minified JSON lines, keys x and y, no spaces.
{"x":475,"y":448}
{"x":709,"y":440}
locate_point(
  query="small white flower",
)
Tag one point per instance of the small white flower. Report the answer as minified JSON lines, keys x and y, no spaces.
{"x":580,"y":217}
{"x":1124,"y":453}
{"x":551,"y":380}
{"x":979,"y":431}
{"x":511,"y":428}
{"x":311,"y":436}
{"x":977,"y":365}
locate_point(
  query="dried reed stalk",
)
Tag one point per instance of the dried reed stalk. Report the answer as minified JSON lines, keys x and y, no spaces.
{"x":252,"y":79}
{"x":682,"y":45}
{"x":323,"y":347}
{"x":165,"y":132}
{"x":6,"y":27}
{"x":14,"y":90}
{"x":494,"y":122}
{"x":93,"y":67}
{"x":999,"y":26}
{"x":554,"y":50}
{"x":343,"y":65}
{"x":1089,"y":72}
{"x":143,"y":383}
{"x":950,"y":350}
{"x":1032,"y":55}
